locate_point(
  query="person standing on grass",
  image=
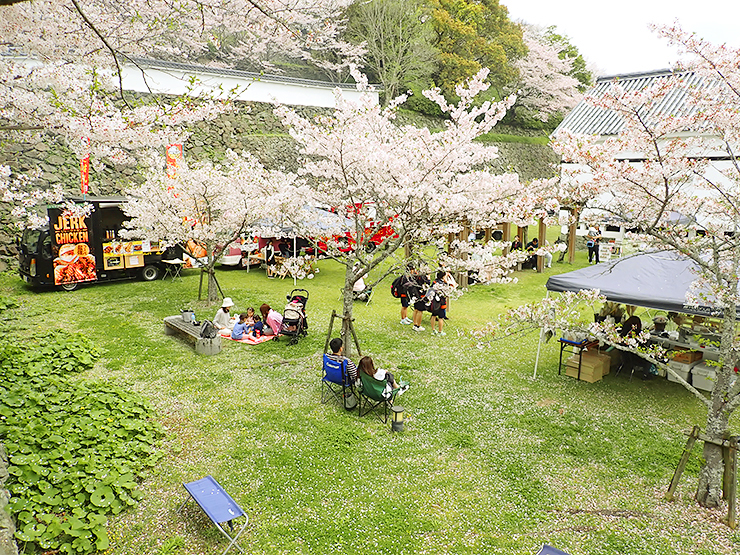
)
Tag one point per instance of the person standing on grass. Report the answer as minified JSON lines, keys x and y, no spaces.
{"x":438,"y":307}
{"x":419,"y":284}
{"x":406,"y":278}
{"x":592,"y":242}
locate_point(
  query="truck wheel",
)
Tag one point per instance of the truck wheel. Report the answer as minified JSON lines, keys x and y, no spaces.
{"x":69,"y":286}
{"x":370,"y":247}
{"x":149,"y":273}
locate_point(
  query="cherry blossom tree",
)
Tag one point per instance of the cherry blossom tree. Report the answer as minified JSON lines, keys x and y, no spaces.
{"x":209,"y":204}
{"x":61,"y":64}
{"x":676,"y":153}
{"x":409,"y":179}
{"x":545,"y":87}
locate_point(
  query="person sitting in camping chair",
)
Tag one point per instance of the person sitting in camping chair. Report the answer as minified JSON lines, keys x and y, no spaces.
{"x":360,"y":291}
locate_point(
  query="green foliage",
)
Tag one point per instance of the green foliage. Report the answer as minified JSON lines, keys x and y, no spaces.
{"x":171,"y":546}
{"x":76,"y":448}
{"x":421,"y":104}
{"x":6,"y":303}
{"x":503,"y":138}
{"x":397,"y":36}
{"x":579,"y":68}
{"x":472,"y":34}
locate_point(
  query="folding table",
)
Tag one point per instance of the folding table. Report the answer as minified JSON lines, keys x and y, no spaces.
{"x":218,"y":505}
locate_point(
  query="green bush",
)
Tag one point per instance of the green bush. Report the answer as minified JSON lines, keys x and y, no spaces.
{"x":76,"y":448}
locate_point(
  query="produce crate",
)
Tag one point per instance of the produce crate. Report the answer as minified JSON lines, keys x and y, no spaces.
{"x":686,"y":356}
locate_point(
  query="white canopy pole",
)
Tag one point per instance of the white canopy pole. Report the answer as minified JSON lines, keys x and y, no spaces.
{"x":539,"y":346}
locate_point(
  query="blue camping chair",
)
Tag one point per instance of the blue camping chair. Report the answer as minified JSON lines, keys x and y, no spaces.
{"x":335,"y":383}
{"x":218,"y":506}
{"x":548,"y":550}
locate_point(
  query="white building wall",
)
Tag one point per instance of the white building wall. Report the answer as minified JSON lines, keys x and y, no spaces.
{"x":260,"y":89}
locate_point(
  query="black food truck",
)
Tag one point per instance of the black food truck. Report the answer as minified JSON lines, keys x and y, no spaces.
{"x":75,"y":249}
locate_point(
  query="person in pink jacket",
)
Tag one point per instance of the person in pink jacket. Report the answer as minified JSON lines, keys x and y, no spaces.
{"x":272,"y":318}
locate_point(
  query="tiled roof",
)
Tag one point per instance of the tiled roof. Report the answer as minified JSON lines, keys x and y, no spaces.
{"x":248,"y":75}
{"x":592,"y":120}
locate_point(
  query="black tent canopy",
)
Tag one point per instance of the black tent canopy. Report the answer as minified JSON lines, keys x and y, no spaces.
{"x":658,"y":279}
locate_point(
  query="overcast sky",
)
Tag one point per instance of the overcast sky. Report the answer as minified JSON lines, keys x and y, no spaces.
{"x":614,"y":37}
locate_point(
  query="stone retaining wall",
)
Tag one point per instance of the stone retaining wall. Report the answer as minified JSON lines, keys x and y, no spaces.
{"x":251,"y":126}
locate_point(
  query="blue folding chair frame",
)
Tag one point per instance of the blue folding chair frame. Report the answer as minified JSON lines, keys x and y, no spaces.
{"x":549,"y":550}
{"x":335,"y":382}
{"x":218,"y":506}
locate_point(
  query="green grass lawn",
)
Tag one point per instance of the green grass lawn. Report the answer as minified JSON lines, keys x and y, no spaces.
{"x":491,"y":461}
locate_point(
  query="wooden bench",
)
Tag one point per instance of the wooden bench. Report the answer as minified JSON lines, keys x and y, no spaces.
{"x":174,"y":325}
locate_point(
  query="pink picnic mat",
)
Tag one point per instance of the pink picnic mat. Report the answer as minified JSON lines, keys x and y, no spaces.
{"x":247,"y":340}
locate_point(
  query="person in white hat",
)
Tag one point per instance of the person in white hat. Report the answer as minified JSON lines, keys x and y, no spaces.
{"x":222,"y":320}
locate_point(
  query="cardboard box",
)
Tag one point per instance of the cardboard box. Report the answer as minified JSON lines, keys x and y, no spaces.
{"x":589,"y":375}
{"x":592,"y":367}
{"x":605,"y":359}
{"x":686,"y":356}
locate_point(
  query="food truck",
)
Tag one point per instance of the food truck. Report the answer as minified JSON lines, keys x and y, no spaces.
{"x":74,"y":249}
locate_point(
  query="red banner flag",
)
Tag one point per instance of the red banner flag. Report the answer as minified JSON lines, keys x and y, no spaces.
{"x":174,"y":159}
{"x":85,"y":174}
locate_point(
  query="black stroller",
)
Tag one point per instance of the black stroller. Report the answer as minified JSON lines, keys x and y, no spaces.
{"x":295,"y":324}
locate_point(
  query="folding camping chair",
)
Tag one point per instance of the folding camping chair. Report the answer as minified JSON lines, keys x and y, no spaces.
{"x":548,"y":550}
{"x":335,"y":382}
{"x":371,"y":396}
{"x":218,"y":505}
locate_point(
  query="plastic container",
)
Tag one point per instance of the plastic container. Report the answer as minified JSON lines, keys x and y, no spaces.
{"x":683,"y":369}
{"x":703,"y":377}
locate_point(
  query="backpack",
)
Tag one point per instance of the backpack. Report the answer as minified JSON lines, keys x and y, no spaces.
{"x":397,"y":289}
{"x":208,"y":330}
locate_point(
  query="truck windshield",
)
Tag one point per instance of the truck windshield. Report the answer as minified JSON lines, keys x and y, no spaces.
{"x":30,"y":240}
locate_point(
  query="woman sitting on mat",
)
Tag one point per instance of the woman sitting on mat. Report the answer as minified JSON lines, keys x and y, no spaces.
{"x":271,"y":319}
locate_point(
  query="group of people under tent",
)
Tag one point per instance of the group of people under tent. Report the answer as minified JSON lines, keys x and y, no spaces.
{"x":531,"y":247}
{"x":248,"y":323}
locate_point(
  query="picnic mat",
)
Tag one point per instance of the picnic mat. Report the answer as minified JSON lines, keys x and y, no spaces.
{"x":249,"y":340}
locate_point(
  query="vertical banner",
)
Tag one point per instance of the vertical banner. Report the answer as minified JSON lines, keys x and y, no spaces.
{"x":71,"y":246}
{"x":174,"y":159}
{"x":85,"y":168}
{"x":85,"y":175}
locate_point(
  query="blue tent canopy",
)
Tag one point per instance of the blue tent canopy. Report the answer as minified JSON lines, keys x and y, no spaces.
{"x":658,"y":280}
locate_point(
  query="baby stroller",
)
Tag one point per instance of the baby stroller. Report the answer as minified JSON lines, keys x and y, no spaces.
{"x":294,"y":316}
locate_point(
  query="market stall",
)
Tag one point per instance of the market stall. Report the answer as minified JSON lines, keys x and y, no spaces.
{"x":657,"y":280}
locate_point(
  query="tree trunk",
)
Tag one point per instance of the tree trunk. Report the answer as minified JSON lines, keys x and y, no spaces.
{"x":709,"y":488}
{"x":347,"y":306}
{"x":212,"y":287}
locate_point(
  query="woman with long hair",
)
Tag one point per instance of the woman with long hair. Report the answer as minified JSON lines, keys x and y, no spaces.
{"x":272,"y":318}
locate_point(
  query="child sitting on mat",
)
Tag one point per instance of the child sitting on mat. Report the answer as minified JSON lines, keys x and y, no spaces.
{"x":257,"y":327}
{"x":241,"y":329}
